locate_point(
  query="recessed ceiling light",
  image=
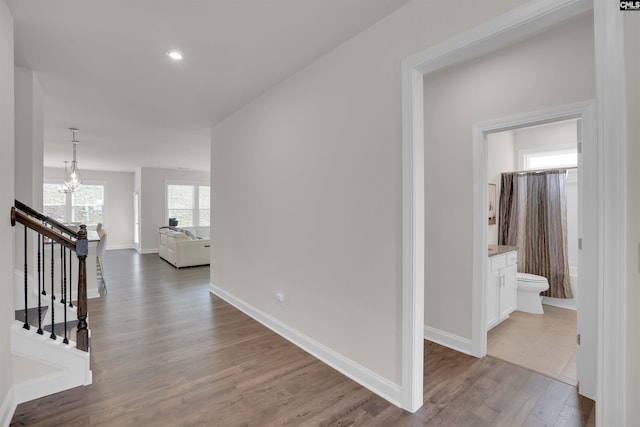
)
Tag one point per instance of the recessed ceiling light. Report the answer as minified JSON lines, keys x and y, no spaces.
{"x":176,"y":55}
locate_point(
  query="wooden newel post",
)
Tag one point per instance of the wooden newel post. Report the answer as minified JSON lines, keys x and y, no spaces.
{"x":82,"y":249}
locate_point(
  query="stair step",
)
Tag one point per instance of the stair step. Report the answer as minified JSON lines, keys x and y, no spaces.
{"x":71,"y":324}
{"x":33,"y":320}
{"x":32,"y":315}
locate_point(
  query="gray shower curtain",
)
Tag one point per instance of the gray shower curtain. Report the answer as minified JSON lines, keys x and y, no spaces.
{"x":533,"y":217}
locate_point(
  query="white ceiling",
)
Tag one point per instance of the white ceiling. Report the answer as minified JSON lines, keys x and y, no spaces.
{"x":103,"y":68}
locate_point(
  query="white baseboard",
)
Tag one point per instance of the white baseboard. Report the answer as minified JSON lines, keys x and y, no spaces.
{"x":116,"y":247}
{"x":8,"y":408}
{"x":148,"y":251}
{"x":446,"y":339}
{"x":363,"y":376}
{"x":92,"y":293}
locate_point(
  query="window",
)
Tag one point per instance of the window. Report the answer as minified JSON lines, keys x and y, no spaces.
{"x":565,"y":158}
{"x":180,"y":203}
{"x":189,"y":204}
{"x":87,"y":204}
{"x":54,"y":202}
{"x":84,"y":206}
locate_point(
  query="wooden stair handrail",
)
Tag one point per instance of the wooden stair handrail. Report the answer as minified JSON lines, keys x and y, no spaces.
{"x":17,"y":216}
{"x":81,"y":248}
{"x":42,"y":217}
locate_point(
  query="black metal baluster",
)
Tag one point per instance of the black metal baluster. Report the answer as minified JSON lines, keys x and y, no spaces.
{"x":53,"y":293}
{"x":40,"y":237}
{"x":64,"y":290}
{"x":63,"y":276}
{"x":26,"y":287}
{"x":44,"y":292}
{"x":70,"y":280}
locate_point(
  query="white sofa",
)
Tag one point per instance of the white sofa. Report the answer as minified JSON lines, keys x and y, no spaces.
{"x":185,"y":246}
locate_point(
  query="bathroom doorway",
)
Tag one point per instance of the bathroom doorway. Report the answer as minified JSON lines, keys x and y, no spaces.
{"x":538,"y":337}
{"x":566,"y":132}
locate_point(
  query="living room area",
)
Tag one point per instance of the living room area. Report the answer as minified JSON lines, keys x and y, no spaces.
{"x":135,"y":205}
{"x":185,"y":241}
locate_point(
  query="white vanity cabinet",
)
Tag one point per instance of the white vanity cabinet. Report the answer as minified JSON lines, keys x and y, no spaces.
{"x":502,"y":285}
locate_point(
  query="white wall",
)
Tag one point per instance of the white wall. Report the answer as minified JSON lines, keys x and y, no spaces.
{"x":500,"y":158}
{"x":118,"y":215}
{"x":6,"y":201}
{"x":29,"y":151}
{"x":152,"y":190}
{"x":530,"y":76}
{"x":29,"y":137}
{"x":552,"y":136}
{"x":307,"y":196}
{"x":632,"y":23}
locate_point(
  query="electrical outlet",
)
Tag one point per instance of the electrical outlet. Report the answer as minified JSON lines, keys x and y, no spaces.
{"x":280,"y":298}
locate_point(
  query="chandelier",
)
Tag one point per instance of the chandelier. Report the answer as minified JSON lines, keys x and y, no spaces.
{"x":72,"y":179}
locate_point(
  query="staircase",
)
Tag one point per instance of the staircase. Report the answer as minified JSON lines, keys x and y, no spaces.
{"x":43,"y":318}
{"x":50,"y":336}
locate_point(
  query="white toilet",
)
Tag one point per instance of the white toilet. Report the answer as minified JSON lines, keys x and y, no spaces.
{"x":529,"y":288}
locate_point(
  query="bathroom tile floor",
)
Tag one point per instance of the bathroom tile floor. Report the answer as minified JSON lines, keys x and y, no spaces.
{"x":544,"y":343}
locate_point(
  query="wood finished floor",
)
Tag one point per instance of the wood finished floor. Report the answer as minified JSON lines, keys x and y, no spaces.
{"x":167,"y":353}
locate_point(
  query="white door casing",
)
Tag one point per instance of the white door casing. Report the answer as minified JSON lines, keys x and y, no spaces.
{"x":499,"y":32}
{"x":589,"y":200}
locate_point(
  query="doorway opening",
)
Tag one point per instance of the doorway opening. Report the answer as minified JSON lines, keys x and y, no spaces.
{"x":607,"y":177}
{"x":519,"y":137}
{"x":540,"y":337}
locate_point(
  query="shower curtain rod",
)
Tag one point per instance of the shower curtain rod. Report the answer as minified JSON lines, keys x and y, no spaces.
{"x":541,"y":170}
